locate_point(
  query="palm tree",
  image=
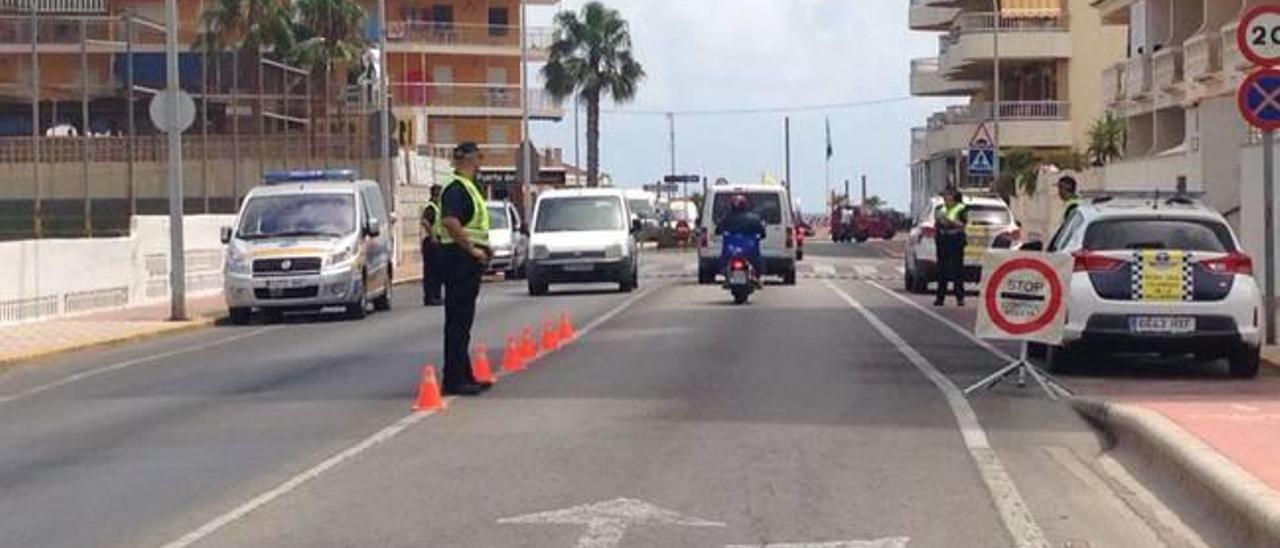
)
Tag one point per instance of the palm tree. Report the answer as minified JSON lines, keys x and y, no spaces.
{"x":327,"y":35}
{"x":1017,"y":172}
{"x":251,"y":25}
{"x":590,"y":58}
{"x":1106,"y":139}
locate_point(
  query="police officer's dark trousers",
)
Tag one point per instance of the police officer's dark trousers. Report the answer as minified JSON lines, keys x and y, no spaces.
{"x":950,"y":247}
{"x":432,"y":275}
{"x":462,"y":274}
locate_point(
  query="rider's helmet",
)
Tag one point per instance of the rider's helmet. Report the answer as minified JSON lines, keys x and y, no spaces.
{"x":740,"y":203}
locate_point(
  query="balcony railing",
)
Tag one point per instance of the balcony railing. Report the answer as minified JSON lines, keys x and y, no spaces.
{"x":1203,"y":56}
{"x":1113,"y":83}
{"x":986,"y":22}
{"x":56,"y":6}
{"x":494,"y":96}
{"x":1166,"y":71}
{"x":1232,"y":59}
{"x":1138,"y":76}
{"x":456,"y":34}
{"x":925,"y":65}
{"x":101,"y":31}
{"x":1009,"y":110}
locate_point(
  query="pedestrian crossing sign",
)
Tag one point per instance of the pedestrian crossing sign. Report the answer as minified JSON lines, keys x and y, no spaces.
{"x":982,"y":162}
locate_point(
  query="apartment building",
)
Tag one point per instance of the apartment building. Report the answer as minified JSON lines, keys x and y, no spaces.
{"x":455,"y":69}
{"x":1175,"y":91}
{"x":1052,"y":53}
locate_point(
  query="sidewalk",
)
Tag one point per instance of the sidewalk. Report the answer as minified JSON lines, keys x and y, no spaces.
{"x":28,"y":341}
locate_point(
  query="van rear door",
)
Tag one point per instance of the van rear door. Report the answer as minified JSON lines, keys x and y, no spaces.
{"x":769,"y":205}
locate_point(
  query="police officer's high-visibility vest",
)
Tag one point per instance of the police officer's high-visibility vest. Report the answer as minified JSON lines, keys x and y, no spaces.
{"x":477,"y":228}
{"x":432,"y":210}
{"x":1072,"y":204}
{"x":950,"y":213}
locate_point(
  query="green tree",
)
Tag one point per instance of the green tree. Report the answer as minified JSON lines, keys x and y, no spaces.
{"x":875,"y":202}
{"x":591,"y":58}
{"x":250,"y":25}
{"x":1106,"y":139}
{"x":1018,"y":169}
{"x":326,"y":36}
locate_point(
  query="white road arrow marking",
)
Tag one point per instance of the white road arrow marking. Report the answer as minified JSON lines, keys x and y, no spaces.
{"x":607,"y":521}
{"x":894,"y":542}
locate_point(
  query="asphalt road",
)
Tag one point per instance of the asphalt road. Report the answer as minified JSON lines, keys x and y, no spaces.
{"x":818,"y":414}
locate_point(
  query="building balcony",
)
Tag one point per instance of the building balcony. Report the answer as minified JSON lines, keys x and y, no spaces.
{"x":927,"y":80}
{"x":1137,"y":84}
{"x":971,"y":40}
{"x":1232,"y":59}
{"x":1203,"y":57}
{"x":57,"y":6}
{"x":1167,"y":69}
{"x":479,"y":100}
{"x":925,"y":16}
{"x":1149,"y":173}
{"x":64,"y":34}
{"x":1113,"y":80}
{"x":464,"y":39}
{"x":1033,"y":124}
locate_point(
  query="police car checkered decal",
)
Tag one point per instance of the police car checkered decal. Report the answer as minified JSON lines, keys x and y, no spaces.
{"x":1138,"y":268}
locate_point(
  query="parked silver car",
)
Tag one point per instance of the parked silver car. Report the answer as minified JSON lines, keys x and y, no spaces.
{"x":509,"y":238}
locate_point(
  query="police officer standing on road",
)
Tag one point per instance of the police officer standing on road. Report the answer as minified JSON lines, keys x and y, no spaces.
{"x":432,"y":281}
{"x":463,"y":228}
{"x":950,"y":218}
{"x":1067,"y":192}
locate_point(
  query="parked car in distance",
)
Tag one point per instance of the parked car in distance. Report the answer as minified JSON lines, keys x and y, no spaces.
{"x":508,"y":239}
{"x":989,"y":220}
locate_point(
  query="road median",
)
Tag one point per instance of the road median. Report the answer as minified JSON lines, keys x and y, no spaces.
{"x":1252,"y":505}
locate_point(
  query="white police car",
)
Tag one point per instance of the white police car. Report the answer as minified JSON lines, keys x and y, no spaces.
{"x":307,"y":240}
{"x":1156,"y":276}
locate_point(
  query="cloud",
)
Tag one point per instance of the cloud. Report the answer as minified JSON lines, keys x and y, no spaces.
{"x":732,"y":54}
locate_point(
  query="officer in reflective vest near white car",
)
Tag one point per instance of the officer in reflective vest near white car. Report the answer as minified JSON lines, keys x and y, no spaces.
{"x":950,"y":218}
{"x":463,"y":228}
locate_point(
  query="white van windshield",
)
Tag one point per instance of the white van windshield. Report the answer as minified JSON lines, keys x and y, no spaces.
{"x":297,"y":215}
{"x":580,"y":214}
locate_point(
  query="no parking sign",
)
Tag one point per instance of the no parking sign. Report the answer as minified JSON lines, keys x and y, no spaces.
{"x":1023,"y":296}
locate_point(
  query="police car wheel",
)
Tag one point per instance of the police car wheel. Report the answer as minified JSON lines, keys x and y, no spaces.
{"x":1244,"y":362}
{"x":240,"y":315}
{"x":1060,"y":359}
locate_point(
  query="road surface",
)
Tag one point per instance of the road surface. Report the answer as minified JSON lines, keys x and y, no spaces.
{"x":823,"y":414}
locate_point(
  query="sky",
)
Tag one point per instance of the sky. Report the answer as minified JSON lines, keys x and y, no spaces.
{"x":719,"y":55}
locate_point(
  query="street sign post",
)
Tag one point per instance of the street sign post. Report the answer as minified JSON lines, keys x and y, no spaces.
{"x":1259,"y":99}
{"x":1023,"y":299}
{"x":982,"y":153}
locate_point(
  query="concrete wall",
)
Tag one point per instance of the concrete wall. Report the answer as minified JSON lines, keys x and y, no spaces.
{"x":1094,"y":48}
{"x":48,"y":278}
{"x":1251,"y":212}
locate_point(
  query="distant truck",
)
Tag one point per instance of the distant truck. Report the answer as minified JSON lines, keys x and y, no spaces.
{"x":853,"y":223}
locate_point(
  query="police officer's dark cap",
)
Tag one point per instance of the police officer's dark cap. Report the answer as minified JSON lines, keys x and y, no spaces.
{"x":1068,"y":182}
{"x":464,"y":149}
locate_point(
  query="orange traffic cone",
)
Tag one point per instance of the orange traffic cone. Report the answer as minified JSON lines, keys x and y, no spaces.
{"x":566,"y":329}
{"x":429,"y":392}
{"x":511,"y":359}
{"x":480,"y":365}
{"x":528,"y":348}
{"x":550,"y":337}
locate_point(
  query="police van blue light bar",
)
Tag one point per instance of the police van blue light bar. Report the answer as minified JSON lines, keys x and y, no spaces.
{"x":309,"y":175}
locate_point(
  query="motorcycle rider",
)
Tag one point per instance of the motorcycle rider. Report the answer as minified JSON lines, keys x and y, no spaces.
{"x":743,"y":221}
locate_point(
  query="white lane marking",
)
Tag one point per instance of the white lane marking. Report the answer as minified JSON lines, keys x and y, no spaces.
{"x":893,"y":542}
{"x":865,"y":271}
{"x":824,"y":269}
{"x":607,"y":521}
{"x":900,"y":269}
{"x":950,"y":324}
{"x":691,"y":268}
{"x":381,"y":436}
{"x":1245,"y":408}
{"x":127,"y":364}
{"x":1017,"y":518}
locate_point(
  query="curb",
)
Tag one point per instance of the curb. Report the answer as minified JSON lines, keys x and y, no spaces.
{"x":167,"y":329}
{"x":1270,"y":362}
{"x":1252,"y":504}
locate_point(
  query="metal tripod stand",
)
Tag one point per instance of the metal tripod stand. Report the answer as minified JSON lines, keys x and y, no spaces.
{"x":1023,"y":368}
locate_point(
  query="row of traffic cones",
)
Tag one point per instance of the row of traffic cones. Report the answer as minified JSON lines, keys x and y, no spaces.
{"x":516,"y":356}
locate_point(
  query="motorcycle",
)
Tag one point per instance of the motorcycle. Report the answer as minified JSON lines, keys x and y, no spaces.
{"x":740,"y":275}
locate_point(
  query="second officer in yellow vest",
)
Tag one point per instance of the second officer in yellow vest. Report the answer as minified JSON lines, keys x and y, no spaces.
{"x":950,"y":219}
{"x":463,"y":229}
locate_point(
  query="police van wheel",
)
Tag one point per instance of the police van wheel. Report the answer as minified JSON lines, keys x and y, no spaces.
{"x":240,"y":315}
{"x":705,"y":275}
{"x":359,"y":309}
{"x":1244,"y":362}
{"x":537,"y":287}
{"x":789,"y":277}
{"x":383,"y":302}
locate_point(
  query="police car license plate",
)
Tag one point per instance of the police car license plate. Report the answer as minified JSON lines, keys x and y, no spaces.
{"x":285,"y":284}
{"x":1165,"y":325}
{"x":738,"y":277}
{"x":580,"y":267}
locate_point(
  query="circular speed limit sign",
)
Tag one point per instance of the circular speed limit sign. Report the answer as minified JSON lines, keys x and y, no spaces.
{"x":1259,"y":35}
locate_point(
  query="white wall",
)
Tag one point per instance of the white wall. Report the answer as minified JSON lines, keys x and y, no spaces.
{"x":1251,"y":206}
{"x":46,"y":278}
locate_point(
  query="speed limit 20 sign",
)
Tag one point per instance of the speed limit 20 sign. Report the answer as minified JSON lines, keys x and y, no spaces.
{"x":1259,"y":35}
{"x":1023,"y":296}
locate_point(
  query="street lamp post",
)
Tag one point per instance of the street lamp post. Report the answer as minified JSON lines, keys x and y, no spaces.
{"x":995,"y":107}
{"x":177,"y":262}
{"x":385,"y":172}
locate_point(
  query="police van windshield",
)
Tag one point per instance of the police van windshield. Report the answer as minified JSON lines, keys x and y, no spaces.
{"x":296,"y":215}
{"x":1147,"y":233}
{"x":498,"y":218}
{"x":768,"y":205}
{"x":580,"y":214}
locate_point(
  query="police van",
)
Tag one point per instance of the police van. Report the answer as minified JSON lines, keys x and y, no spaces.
{"x":309,"y":240}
